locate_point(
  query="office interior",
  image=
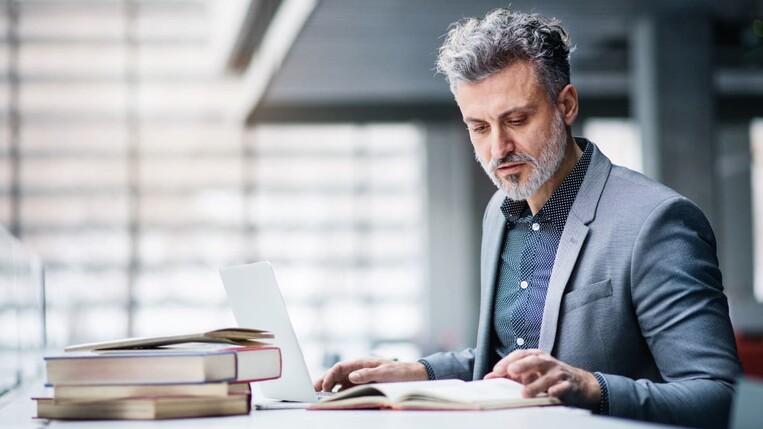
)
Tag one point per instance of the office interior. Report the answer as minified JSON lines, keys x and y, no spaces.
{"x":144,"y":144}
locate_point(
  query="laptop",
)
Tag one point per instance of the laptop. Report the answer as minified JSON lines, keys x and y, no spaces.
{"x":746,"y":411}
{"x":257,"y":302}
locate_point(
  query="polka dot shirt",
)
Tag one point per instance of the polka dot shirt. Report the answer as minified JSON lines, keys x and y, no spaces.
{"x":527,"y":259}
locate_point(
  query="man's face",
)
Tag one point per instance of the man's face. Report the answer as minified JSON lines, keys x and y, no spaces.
{"x":519,"y":136}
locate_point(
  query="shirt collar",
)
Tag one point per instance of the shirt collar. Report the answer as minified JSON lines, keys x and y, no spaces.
{"x":557,"y":208}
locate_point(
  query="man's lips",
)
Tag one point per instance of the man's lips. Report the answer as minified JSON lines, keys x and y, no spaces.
{"x":510,"y":168}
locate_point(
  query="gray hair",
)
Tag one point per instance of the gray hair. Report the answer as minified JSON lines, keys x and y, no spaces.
{"x":475,"y":49}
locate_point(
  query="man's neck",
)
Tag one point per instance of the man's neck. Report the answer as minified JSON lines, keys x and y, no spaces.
{"x":571,"y":157}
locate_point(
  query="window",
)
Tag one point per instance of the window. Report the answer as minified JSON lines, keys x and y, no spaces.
{"x":619,"y":139}
{"x":338,"y":209}
{"x":135,"y":188}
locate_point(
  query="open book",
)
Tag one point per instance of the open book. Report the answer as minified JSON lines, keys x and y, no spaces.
{"x":434,"y":395}
{"x":235,"y":336}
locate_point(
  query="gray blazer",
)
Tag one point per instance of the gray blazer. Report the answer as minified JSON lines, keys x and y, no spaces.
{"x":635,"y":293}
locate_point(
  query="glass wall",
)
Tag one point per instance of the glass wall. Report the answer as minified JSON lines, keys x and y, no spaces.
{"x":22,"y":313}
{"x":135,"y":187}
{"x":339,"y":211}
{"x":619,"y":139}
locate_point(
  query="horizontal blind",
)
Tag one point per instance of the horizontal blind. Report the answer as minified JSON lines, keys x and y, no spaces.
{"x":338,"y":209}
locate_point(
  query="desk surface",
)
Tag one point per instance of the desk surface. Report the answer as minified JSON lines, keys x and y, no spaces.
{"x":17,"y":409}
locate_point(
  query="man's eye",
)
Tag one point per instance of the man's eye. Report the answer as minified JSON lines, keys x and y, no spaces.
{"x":516,"y":122}
{"x":479,"y":130}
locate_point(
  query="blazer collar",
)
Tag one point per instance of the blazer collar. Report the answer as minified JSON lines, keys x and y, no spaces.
{"x":587,"y":200}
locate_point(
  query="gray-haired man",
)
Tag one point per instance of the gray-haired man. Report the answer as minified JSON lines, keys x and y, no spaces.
{"x":599,"y":286}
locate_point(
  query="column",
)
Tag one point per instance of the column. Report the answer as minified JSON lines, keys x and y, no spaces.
{"x":672,"y":98}
{"x":735,"y":229}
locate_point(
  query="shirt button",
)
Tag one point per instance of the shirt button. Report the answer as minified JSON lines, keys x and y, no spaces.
{"x":520,"y":341}
{"x":536,"y":226}
{"x":523,"y":285}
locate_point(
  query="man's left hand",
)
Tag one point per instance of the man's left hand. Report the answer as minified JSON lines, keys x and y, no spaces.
{"x":542,"y":373}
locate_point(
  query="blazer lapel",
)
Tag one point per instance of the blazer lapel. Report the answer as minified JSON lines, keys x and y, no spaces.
{"x":566,"y":256}
{"x":581,"y":214}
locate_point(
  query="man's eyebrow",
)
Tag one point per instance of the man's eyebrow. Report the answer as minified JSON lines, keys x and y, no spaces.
{"x":468,"y":120}
{"x":513,"y":110}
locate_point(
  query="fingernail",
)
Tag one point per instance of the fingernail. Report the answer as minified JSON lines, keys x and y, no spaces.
{"x":354,"y":377}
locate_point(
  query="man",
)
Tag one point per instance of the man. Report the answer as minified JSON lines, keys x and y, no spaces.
{"x":599,"y":286}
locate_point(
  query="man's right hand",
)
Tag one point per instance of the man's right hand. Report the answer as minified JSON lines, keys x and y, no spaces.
{"x":369,"y":370}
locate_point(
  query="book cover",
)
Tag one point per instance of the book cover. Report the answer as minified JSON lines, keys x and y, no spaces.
{"x":434,"y":395}
{"x":118,"y":391}
{"x":165,"y":366}
{"x":143,"y":408}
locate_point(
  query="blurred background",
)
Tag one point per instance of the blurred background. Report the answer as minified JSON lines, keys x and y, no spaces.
{"x":144,"y":144}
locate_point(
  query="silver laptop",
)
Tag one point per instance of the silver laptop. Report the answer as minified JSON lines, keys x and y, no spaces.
{"x":256,"y":301}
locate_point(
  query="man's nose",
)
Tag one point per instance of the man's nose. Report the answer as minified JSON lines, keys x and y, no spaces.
{"x":501,"y":143}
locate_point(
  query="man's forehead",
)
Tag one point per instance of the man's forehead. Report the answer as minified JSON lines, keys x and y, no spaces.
{"x":499,"y":95}
{"x":517,"y":79}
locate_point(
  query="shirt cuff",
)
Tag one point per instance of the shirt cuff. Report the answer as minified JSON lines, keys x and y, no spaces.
{"x":604,"y":404}
{"x":428,"y":366}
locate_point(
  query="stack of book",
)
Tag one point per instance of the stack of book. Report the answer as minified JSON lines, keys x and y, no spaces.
{"x":160,"y":377}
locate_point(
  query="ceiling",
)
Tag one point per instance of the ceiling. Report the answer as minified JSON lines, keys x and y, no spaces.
{"x":371,"y":52}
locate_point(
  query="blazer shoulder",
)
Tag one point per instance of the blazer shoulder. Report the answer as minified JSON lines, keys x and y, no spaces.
{"x":630,"y":188}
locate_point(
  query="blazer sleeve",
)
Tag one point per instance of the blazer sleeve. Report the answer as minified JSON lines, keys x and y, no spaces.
{"x":448,"y":365}
{"x":678,"y":299}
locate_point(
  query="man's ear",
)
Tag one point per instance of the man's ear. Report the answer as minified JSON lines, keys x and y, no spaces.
{"x":567,"y":103}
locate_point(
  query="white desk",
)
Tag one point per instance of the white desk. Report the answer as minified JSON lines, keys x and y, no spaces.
{"x":16,"y":410}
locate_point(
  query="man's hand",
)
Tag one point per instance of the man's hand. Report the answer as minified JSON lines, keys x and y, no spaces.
{"x":540,"y":372}
{"x":362,"y":371}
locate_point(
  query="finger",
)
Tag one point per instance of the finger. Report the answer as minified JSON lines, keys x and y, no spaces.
{"x":381,"y":374}
{"x":330,"y":378}
{"x":318,"y":384}
{"x":363,"y":376}
{"x":338,"y":374}
{"x":500,"y":368}
{"x":544,"y":383}
{"x":560,"y":389}
{"x":532,"y":364}
{"x":499,"y":375}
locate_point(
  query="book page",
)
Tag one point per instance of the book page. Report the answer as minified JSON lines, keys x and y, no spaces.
{"x":392,"y":391}
{"x":481,"y":391}
{"x":234,"y":336}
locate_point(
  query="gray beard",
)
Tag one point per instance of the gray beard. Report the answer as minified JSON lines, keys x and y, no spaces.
{"x":543,"y":168}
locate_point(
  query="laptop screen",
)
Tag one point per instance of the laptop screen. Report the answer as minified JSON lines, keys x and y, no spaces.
{"x":257,"y":302}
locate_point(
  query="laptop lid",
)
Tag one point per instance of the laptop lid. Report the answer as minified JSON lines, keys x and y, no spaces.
{"x":257,"y":302}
